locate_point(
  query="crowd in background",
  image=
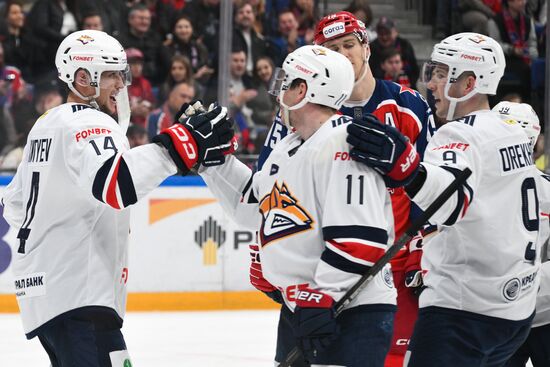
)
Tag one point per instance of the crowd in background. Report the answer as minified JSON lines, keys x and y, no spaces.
{"x":172,"y":50}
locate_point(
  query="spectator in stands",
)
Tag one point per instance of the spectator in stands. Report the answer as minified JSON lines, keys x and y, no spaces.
{"x":46,"y":96}
{"x":476,"y":14}
{"x":92,"y":21}
{"x":140,"y":91}
{"x":16,"y":40}
{"x":536,"y":9}
{"x":184,"y":43}
{"x":141,"y":36}
{"x":515,"y":31}
{"x":305,"y":12}
{"x":113,"y":14}
{"x":180,"y":71}
{"x":164,"y":116}
{"x":137,"y":135}
{"x":392,"y":66}
{"x":288,"y":40}
{"x":263,"y":106}
{"x":241,"y":91}
{"x":362,"y":11}
{"x":50,"y":21}
{"x":246,"y":38}
{"x":270,"y":16}
{"x":388,"y":37}
{"x":205,"y":15}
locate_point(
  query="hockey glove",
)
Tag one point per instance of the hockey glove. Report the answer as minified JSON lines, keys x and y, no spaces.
{"x":383,"y":148}
{"x":257,"y":278}
{"x":200,"y":139}
{"x":315,"y":325}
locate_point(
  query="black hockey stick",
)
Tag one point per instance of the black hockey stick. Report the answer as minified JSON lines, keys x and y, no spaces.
{"x":415,"y":226}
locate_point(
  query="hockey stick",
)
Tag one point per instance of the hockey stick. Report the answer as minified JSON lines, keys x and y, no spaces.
{"x":415,"y":226}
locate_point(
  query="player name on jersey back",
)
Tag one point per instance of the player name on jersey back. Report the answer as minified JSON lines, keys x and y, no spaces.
{"x":39,"y":150}
{"x":515,"y":157}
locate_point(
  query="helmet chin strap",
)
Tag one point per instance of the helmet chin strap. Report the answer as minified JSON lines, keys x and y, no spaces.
{"x":364,"y":67}
{"x":453,"y":102}
{"x":90,"y":99}
{"x":285,"y":110}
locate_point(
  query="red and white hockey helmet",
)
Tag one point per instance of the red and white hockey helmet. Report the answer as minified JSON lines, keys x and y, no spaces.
{"x":338,"y":25}
{"x":522,"y":114}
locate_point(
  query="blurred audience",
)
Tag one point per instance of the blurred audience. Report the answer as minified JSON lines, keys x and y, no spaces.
{"x":288,"y":39}
{"x":140,"y":91}
{"x":141,"y":36}
{"x":164,"y":116}
{"x":515,"y":31}
{"x":180,"y":71}
{"x":392,"y":66}
{"x":362,"y":10}
{"x":245,"y":36}
{"x":388,"y":38}
{"x":475,"y":14}
{"x":137,"y":135}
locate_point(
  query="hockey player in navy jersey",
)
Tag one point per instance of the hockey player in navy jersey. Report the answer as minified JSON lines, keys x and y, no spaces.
{"x":68,"y":199}
{"x":398,"y":106}
{"x":537,"y":346}
{"x":482,"y":269}
{"x":320,"y":223}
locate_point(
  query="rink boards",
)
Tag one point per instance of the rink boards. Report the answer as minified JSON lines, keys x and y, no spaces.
{"x":185,"y":253}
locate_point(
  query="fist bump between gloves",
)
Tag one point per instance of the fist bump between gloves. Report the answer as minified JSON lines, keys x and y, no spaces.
{"x":199,"y":137}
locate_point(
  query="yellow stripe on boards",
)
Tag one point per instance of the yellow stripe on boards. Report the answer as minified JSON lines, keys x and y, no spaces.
{"x":184,"y":301}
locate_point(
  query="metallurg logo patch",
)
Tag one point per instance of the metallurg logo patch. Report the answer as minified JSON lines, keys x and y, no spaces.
{"x":282,"y":215}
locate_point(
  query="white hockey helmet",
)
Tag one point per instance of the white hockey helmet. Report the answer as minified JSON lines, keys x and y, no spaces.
{"x":328,"y":74}
{"x":473,"y":52}
{"x":523,"y":115}
{"x":93,"y":51}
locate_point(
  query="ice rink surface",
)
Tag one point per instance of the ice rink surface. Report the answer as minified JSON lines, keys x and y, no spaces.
{"x":229,"y":339}
{"x":175,"y":339}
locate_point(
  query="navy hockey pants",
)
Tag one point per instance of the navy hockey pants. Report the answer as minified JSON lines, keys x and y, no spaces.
{"x":74,"y":341}
{"x":536,"y":347}
{"x":364,"y":341}
{"x":453,"y":338}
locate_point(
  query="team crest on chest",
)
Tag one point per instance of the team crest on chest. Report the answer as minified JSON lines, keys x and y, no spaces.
{"x":282,"y":215}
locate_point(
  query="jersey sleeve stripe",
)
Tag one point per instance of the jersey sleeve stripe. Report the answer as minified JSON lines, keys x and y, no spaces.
{"x":126,"y":184}
{"x":111,"y":194}
{"x":357,"y":252}
{"x":113,"y":183}
{"x":465,"y":196}
{"x":341,"y":263}
{"x":367,"y":233}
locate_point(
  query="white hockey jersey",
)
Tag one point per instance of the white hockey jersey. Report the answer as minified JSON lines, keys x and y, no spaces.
{"x":543,"y":299}
{"x":484,"y":259}
{"x":322,"y":218}
{"x":76,"y":172}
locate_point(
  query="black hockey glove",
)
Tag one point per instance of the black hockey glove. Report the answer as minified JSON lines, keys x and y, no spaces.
{"x":199,"y":139}
{"x":383,"y":148}
{"x":315,"y":325}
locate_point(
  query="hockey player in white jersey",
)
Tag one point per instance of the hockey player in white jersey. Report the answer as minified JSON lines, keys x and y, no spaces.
{"x":481,"y":271}
{"x":68,"y":197}
{"x":322,"y":219}
{"x":536,"y":347}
